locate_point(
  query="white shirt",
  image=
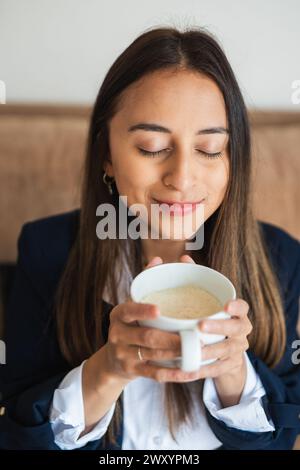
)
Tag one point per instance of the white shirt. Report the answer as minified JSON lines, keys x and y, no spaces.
{"x":145,"y":421}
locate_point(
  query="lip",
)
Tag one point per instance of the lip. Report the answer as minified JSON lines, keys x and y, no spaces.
{"x":180,"y":208}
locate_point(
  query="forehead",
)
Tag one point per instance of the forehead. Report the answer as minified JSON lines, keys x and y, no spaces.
{"x":174,"y":98}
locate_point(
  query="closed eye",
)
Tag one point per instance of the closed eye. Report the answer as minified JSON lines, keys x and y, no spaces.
{"x":152,"y":154}
{"x":159,"y":152}
{"x":210,"y":155}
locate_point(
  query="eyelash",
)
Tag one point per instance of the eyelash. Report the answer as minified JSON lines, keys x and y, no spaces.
{"x":155,"y":154}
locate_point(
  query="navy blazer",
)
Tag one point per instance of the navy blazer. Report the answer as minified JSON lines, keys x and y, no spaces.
{"x":35,"y":366}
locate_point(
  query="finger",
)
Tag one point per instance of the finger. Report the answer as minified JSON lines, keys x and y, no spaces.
{"x":132,"y":311}
{"x":154,"y":262}
{"x":224,"y":349}
{"x":186,"y":259}
{"x":230,"y":327}
{"x":219,"y":368}
{"x":165,"y":374}
{"x":145,"y":336}
{"x":238,"y":308}
{"x":147,"y":354}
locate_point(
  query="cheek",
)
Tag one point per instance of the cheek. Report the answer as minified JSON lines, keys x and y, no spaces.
{"x":131,"y":178}
{"x":217,"y":180}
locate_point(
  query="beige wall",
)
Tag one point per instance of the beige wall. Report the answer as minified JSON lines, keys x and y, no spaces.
{"x":58,"y":51}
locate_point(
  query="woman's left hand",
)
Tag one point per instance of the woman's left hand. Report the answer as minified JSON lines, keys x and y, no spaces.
{"x":229,"y":372}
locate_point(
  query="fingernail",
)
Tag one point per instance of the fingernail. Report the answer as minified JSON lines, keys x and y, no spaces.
{"x":205,"y":326}
{"x":156,"y":311}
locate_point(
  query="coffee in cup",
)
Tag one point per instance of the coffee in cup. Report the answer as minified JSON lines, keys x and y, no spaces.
{"x":184,"y":302}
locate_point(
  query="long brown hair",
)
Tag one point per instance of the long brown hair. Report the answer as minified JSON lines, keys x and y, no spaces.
{"x":234,"y":244}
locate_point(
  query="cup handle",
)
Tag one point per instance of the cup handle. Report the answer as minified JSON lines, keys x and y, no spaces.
{"x":191,"y":354}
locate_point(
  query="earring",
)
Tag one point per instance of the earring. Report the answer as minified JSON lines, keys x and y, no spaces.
{"x":108,"y":183}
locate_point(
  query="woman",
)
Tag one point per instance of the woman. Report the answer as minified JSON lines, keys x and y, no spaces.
{"x":169,"y":125}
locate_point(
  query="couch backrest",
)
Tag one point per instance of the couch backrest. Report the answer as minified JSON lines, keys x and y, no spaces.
{"x":276,"y":151}
{"x":42,"y":151}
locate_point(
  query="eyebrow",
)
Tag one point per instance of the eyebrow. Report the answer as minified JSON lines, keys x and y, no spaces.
{"x":152,"y":127}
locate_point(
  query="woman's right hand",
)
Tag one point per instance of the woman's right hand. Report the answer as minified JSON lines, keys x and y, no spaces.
{"x":108,"y":370}
{"x":125,"y":337}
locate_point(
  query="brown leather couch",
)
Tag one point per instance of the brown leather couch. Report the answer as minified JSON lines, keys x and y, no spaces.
{"x":42,"y":150}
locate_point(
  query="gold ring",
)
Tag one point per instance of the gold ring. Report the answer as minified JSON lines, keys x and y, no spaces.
{"x":140,"y":354}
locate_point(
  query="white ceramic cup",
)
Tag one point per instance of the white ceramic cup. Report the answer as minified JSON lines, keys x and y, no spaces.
{"x":169,"y":275}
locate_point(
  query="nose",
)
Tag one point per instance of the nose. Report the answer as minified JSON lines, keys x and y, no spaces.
{"x":180,"y":173}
